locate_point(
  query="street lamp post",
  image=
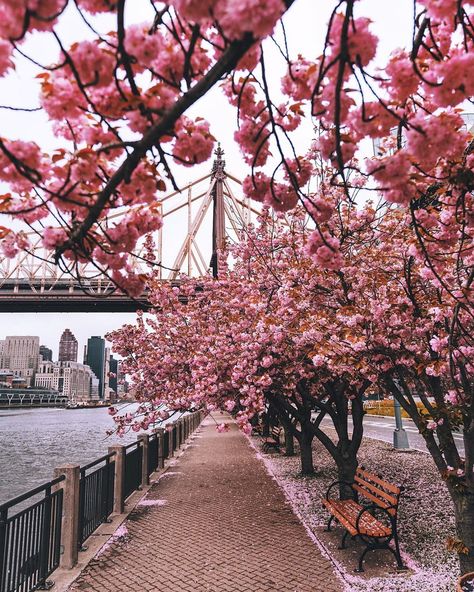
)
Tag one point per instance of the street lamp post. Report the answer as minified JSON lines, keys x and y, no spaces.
{"x":400,"y":437}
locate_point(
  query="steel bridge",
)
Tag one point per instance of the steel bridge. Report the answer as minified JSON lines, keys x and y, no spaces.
{"x":198,"y":221}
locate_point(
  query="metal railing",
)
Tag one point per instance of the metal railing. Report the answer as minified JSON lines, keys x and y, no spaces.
{"x":174,"y":432}
{"x":133,"y":468}
{"x":30,"y":540}
{"x":96,"y":495}
{"x":33,"y":531}
{"x":166,"y":444}
{"x":153,"y":454}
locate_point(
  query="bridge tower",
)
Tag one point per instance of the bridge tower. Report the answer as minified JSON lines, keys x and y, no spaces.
{"x":199,"y":219}
{"x":218,"y":176}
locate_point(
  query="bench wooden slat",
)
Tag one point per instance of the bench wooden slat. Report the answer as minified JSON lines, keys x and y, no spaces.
{"x":373,"y":498}
{"x":346,"y":512}
{"x":362,"y":522}
{"x":376,"y":479}
{"x":375,"y":490}
{"x":273,"y":441}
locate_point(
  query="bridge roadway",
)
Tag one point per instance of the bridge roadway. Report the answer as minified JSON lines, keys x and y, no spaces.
{"x":215,"y":522}
{"x":65,"y":301}
{"x":69,"y":296}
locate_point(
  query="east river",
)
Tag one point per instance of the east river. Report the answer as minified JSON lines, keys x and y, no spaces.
{"x":35,"y":441}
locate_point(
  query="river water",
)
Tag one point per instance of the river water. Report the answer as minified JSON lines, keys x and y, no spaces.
{"x":35,"y":441}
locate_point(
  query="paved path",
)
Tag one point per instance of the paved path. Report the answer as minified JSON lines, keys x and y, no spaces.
{"x":222,"y":525}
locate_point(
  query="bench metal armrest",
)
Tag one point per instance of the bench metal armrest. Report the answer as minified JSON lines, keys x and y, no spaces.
{"x":337,"y":483}
{"x":374,"y":508}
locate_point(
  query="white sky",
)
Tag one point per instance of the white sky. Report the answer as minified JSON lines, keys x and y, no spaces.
{"x":305,"y":25}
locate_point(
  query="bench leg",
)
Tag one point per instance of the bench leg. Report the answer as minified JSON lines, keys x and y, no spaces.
{"x":360,"y":567}
{"x":343,"y":541}
{"x":328,"y":527}
{"x":398,"y":557}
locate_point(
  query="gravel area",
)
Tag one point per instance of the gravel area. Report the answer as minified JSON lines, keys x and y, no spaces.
{"x":425,"y":518}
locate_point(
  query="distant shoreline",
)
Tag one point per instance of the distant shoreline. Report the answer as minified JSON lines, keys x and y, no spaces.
{"x":51,"y":406}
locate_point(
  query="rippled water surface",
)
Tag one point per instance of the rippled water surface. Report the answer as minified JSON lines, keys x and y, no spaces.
{"x":35,"y":441}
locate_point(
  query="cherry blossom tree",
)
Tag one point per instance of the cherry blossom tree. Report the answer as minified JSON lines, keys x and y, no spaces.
{"x":311,"y":340}
{"x":400,"y":285}
{"x":119,"y":101}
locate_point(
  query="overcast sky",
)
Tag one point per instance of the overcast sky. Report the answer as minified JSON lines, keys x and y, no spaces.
{"x":305,"y":26}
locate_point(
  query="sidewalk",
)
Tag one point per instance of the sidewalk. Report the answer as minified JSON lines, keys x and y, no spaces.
{"x":215,"y":522}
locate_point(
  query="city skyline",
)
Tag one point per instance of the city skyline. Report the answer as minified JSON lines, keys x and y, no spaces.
{"x":50,"y":326}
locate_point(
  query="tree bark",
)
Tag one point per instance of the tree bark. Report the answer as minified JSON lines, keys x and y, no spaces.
{"x":306,"y":454}
{"x":346,"y":468}
{"x":464,"y":517}
{"x":289,"y":443}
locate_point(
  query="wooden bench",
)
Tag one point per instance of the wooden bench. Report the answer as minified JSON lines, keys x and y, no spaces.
{"x":375,"y":522}
{"x":258,"y":429}
{"x":273,"y":440}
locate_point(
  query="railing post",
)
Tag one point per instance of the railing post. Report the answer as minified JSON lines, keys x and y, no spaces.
{"x":160,"y":434}
{"x":70,"y":519}
{"x":119,"y":478}
{"x":169,"y":427}
{"x":179,"y":432}
{"x":143,"y":438}
{"x":3,"y":536}
{"x":45,"y":543}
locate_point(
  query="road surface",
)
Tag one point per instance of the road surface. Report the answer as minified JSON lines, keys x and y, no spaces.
{"x":381,"y":428}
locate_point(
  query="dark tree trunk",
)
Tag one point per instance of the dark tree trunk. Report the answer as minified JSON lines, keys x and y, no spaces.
{"x":266,"y":425}
{"x":464,"y":515}
{"x":306,"y":454}
{"x":346,"y":468}
{"x":289,"y":443}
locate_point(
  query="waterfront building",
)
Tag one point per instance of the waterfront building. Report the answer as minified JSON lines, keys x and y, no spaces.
{"x":94,"y":356}
{"x":6,"y":378}
{"x":21,"y":355}
{"x":71,"y":379}
{"x":30,"y":397}
{"x":67,"y":347}
{"x":46,"y":353}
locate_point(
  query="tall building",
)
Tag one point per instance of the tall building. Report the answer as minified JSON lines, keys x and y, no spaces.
{"x":21,"y":356}
{"x":113,"y":377}
{"x":46,"y":353}
{"x":67,"y":347}
{"x":113,"y":369}
{"x":94,"y":356}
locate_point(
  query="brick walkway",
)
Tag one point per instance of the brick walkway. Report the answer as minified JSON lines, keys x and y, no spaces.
{"x":222,"y":525}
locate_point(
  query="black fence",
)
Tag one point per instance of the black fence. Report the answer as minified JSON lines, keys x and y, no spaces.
{"x":153,"y":454}
{"x":133,"y":468}
{"x":30,"y":540}
{"x":31,"y":524}
{"x":174,"y":433}
{"x":166,"y":444}
{"x":96,"y":495}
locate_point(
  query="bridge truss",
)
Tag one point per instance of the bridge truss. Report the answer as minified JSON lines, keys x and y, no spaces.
{"x":197,"y":221}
